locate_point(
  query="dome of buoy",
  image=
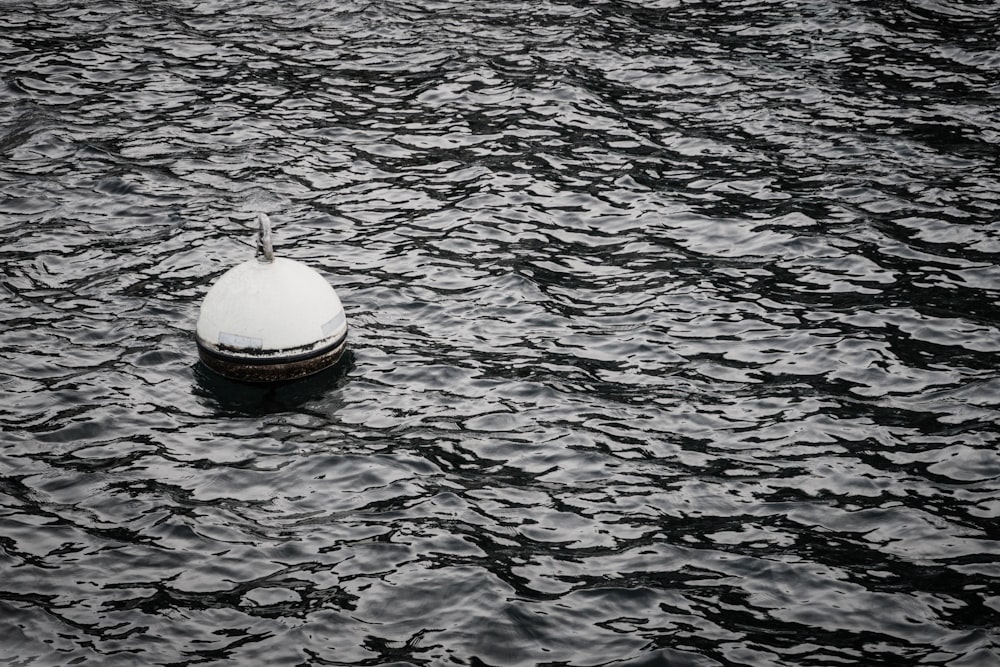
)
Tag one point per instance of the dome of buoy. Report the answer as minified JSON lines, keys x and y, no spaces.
{"x":270,"y":319}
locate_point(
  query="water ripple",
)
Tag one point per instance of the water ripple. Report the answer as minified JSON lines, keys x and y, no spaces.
{"x":674,"y":333}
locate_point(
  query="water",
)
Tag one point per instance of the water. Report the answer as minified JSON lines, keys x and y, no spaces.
{"x":674,"y":333}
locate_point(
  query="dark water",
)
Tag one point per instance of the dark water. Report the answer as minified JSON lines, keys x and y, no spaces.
{"x":674,"y":333}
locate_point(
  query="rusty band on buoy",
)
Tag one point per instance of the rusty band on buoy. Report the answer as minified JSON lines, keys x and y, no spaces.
{"x":273,"y":366}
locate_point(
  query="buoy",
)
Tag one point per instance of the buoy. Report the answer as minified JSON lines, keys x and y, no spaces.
{"x":270,"y":319}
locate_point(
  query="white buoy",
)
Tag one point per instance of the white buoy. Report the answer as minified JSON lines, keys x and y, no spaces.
{"x":270,"y":319}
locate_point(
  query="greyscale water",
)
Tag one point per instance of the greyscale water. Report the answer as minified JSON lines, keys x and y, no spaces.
{"x":674,"y":333}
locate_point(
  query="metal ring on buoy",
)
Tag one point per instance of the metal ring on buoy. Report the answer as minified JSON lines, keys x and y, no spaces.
{"x":270,"y":319}
{"x":264,"y":248}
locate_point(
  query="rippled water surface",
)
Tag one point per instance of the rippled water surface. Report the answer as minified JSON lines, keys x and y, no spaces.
{"x":674,"y":333}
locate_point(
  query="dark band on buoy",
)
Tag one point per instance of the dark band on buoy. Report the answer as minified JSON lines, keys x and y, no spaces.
{"x":273,"y":366}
